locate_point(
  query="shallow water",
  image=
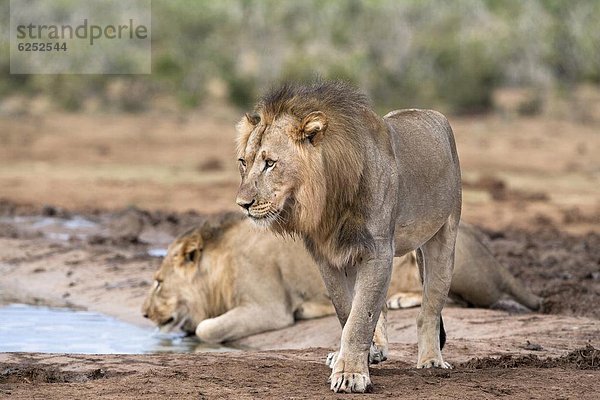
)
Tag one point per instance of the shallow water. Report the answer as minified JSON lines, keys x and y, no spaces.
{"x":54,"y":228}
{"x":157,"y":252}
{"x":57,"y":330}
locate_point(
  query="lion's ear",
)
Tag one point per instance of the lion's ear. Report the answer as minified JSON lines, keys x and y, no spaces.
{"x":248,"y":123}
{"x":192,"y":255}
{"x":253,"y":118}
{"x":313,"y":127}
{"x":191,"y":249}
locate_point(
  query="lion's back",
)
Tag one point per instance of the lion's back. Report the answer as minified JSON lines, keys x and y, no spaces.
{"x":429,"y":125}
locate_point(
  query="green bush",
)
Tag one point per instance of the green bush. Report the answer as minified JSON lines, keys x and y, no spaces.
{"x":431,"y":53}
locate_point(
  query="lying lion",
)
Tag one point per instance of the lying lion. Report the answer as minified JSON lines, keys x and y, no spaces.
{"x":223,"y":283}
{"x":478,"y":280}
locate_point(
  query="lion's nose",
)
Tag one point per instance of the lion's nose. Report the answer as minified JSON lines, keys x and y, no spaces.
{"x":244,"y":203}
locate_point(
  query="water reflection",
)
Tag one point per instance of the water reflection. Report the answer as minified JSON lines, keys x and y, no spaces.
{"x":56,"y":330}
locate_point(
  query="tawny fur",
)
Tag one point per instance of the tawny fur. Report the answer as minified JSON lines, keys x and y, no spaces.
{"x":322,"y":206}
{"x":235,"y":283}
{"x":316,"y":161}
{"x":479,"y":280}
{"x":208,"y":287}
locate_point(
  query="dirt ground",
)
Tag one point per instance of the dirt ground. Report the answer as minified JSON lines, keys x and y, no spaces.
{"x":531,"y":185}
{"x":289,"y":374}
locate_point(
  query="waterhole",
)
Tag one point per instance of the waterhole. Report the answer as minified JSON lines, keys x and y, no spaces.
{"x":27,"y":328}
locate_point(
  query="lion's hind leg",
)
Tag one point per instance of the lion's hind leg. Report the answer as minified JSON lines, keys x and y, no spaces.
{"x":379,"y":347}
{"x":314,"y":309}
{"x":404,"y":300}
{"x":436,"y":261}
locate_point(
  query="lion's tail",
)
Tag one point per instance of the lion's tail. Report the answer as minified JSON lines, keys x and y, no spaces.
{"x":518,"y":291}
{"x":442,"y":333}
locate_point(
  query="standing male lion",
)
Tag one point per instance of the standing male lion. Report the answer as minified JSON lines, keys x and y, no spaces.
{"x":316,"y":161}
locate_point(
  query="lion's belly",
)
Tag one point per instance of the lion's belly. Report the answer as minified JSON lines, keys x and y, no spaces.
{"x":409,"y":238}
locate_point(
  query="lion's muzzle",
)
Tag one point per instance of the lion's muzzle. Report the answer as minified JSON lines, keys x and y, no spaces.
{"x":246,"y":196}
{"x":245,"y":204}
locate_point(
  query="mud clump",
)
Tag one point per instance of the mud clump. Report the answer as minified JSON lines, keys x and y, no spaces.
{"x":499,"y":190}
{"x":8,"y":231}
{"x":49,"y":210}
{"x":587,"y":358}
{"x":9,"y":208}
{"x":574,"y":215}
{"x":130,"y":226}
{"x":560,"y":267}
{"x":33,"y":374}
{"x":118,"y":241}
{"x":211,"y":164}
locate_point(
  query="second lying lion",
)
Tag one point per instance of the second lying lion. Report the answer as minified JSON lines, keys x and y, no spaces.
{"x":478,"y":279}
{"x":223,"y":283}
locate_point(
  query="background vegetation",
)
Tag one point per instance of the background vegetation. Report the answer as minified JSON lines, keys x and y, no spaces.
{"x":425,"y":53}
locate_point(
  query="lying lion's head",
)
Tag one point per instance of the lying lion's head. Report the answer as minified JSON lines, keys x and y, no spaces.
{"x":301,"y":158}
{"x":184,"y":291}
{"x":168,"y":302}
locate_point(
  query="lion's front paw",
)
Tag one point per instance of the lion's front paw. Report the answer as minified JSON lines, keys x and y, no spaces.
{"x":209,"y":331}
{"x":434,"y":363}
{"x":350,"y":373}
{"x":348,"y":382}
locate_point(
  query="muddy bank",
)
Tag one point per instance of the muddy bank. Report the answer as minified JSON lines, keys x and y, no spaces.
{"x":562,"y":268}
{"x":104,"y":260}
{"x":285,"y":374}
{"x":117,"y":247}
{"x":587,"y":358}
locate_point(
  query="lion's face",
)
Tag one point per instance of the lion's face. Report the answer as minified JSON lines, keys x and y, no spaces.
{"x":273,"y":159}
{"x":173,"y":299}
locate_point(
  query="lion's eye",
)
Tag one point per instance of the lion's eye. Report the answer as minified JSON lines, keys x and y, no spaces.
{"x":269,"y":163}
{"x":243,"y":162}
{"x":157,"y":284}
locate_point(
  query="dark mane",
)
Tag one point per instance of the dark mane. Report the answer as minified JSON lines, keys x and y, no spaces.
{"x":299,"y":100}
{"x":334,"y":197}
